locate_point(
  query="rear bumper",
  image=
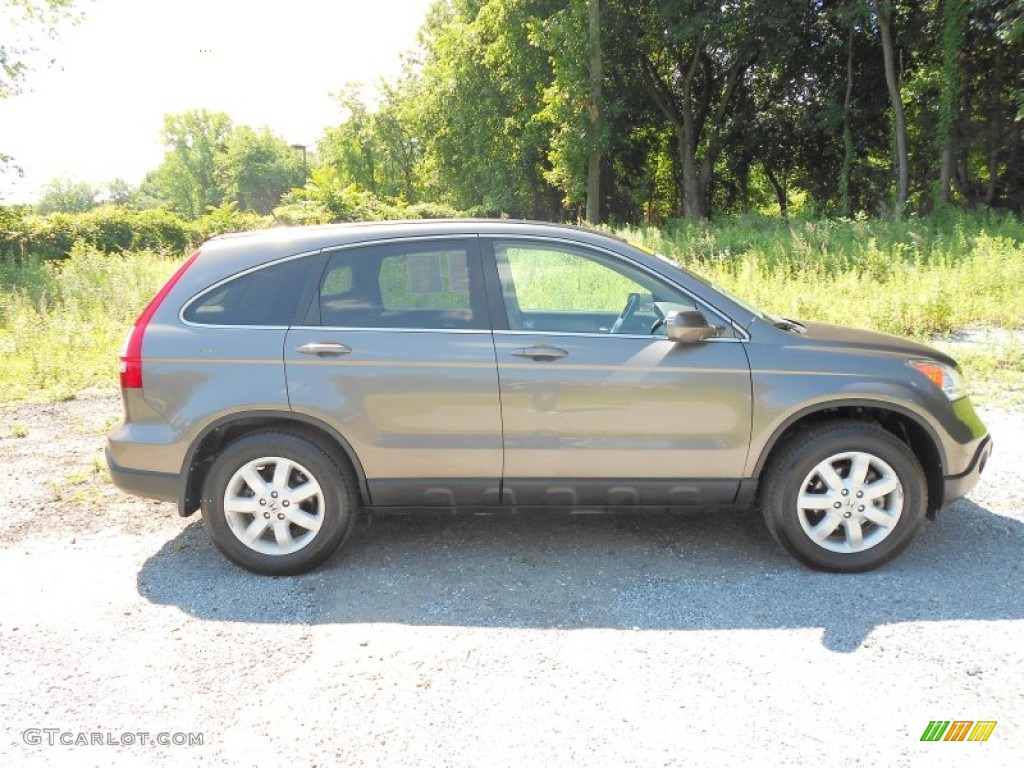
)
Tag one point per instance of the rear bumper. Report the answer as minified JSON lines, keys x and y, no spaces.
{"x":956,"y":486}
{"x":151,"y":485}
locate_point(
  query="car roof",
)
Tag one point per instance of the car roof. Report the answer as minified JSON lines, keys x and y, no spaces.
{"x":325,"y":235}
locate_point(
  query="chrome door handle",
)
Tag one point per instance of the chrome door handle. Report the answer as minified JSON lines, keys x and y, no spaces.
{"x":324,"y":349}
{"x":540,"y":352}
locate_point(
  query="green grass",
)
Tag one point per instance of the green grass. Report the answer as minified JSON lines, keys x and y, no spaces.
{"x":62,"y":323}
{"x":909,"y":278}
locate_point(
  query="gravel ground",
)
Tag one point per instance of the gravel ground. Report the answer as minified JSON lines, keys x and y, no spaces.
{"x":472,"y":640}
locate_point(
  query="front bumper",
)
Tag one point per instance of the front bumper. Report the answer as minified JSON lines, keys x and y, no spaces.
{"x":151,"y":485}
{"x":956,"y":486}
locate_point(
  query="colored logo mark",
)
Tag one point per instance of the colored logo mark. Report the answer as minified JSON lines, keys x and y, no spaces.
{"x":958,"y":730}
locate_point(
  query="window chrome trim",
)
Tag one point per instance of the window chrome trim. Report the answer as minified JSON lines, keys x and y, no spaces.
{"x":392,"y":240}
{"x":591,"y":335}
{"x":742,"y":334}
{"x":390,"y":328}
{"x":305,"y":254}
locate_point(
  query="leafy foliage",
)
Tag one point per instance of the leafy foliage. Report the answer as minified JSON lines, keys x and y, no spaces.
{"x":190,"y":179}
{"x":641,"y":111}
{"x":114,"y":229}
{"x":708,"y":108}
{"x":258,"y":169}
{"x":66,"y":196}
{"x":28,"y":24}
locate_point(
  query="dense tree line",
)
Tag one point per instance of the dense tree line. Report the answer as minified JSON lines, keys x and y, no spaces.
{"x":640,"y":110}
{"x":666,"y":108}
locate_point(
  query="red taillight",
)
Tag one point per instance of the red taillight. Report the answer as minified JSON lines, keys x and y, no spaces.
{"x":131,"y":353}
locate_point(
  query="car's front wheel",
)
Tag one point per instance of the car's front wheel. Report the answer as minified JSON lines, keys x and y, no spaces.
{"x":845,"y":496}
{"x":277,"y":504}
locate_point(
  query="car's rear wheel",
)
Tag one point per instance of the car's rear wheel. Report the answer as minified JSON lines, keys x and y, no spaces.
{"x":846,"y":496}
{"x":275,"y":503}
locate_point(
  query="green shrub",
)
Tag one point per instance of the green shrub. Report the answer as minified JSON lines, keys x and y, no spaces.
{"x":108,"y":229}
{"x":303,"y":212}
{"x":115,"y":229}
{"x":227,"y":218}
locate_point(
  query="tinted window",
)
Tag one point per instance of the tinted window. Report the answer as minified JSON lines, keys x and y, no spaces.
{"x":267,"y":296}
{"x":422,"y":285}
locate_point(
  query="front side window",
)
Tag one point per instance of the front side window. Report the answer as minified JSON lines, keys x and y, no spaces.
{"x":556,"y":288}
{"x":419,"y":285}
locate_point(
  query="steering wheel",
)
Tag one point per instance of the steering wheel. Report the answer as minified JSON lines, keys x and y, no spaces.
{"x":632,"y":302}
{"x":661,"y":318}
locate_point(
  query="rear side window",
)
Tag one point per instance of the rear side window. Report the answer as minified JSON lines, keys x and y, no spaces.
{"x":433,"y":285}
{"x":266,"y":296}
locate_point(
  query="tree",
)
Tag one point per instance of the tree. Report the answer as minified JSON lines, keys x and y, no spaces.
{"x":631,"y":110}
{"x":883,"y":17}
{"x":594,"y":109}
{"x":27,"y":22}
{"x":480,"y":91}
{"x":566,"y":105}
{"x":377,"y":151}
{"x":120,"y":192}
{"x":954,"y":29}
{"x":210,"y":162}
{"x":258,"y":168}
{"x":845,"y":193}
{"x":695,"y":57}
{"x":621,"y":153}
{"x":63,"y":195}
{"x":191,"y":177}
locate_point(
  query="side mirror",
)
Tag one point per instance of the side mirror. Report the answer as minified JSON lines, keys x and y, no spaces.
{"x":689,"y":326}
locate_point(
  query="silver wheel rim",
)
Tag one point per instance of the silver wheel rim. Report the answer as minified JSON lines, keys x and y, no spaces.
{"x":274,"y":505}
{"x":850,"y":502}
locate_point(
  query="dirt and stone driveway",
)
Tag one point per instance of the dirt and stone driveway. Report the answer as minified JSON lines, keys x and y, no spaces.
{"x":491,"y":640}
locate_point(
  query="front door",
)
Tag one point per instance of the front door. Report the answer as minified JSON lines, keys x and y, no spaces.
{"x":598,"y":406}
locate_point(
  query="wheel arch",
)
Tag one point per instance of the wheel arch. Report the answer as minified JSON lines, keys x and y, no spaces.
{"x":222,"y":431}
{"x":901,"y":422}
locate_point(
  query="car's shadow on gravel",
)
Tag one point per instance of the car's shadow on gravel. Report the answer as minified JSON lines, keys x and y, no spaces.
{"x":689,"y":571}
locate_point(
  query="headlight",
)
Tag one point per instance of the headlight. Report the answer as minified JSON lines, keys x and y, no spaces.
{"x":945,"y":377}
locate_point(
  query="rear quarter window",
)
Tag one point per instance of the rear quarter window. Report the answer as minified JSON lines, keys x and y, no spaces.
{"x":266,"y":296}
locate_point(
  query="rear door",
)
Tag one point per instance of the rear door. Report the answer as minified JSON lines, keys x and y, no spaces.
{"x":598,"y":406}
{"x":396,"y":353}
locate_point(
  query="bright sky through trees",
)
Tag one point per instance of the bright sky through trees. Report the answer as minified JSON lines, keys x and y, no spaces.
{"x":97,"y":115}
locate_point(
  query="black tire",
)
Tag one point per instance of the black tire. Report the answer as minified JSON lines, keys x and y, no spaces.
{"x":882,"y":460}
{"x":282,"y":547}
